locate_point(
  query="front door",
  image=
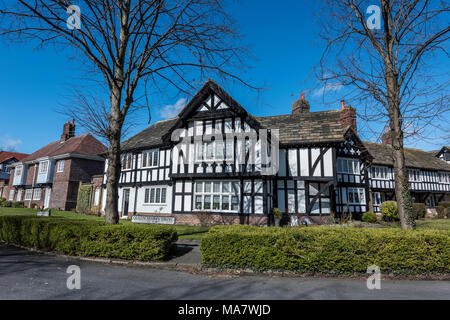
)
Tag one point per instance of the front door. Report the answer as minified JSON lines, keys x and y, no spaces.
{"x":125,"y":202}
{"x":47,"y":198}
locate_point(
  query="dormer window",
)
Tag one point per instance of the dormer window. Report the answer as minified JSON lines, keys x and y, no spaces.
{"x":43,"y":167}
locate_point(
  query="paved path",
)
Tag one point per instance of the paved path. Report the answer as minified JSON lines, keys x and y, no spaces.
{"x":26,"y":275}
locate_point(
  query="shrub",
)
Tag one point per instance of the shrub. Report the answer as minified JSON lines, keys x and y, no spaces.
{"x":277,"y":214}
{"x":419,"y":210}
{"x":327,"y":249}
{"x":369,"y":217}
{"x":89,"y":238}
{"x":2,"y":200}
{"x":7,"y":204}
{"x":442,"y":212}
{"x":389,"y":211}
{"x":18,"y":204}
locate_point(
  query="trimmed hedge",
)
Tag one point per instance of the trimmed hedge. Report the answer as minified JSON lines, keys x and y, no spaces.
{"x":327,"y":249}
{"x":369,"y":217}
{"x":89,"y":238}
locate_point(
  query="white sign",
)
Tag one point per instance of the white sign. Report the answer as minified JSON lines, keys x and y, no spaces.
{"x":153,"y":220}
{"x":43,"y":213}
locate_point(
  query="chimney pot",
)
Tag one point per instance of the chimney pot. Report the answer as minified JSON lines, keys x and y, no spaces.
{"x":342,"y":104}
{"x":303,"y":96}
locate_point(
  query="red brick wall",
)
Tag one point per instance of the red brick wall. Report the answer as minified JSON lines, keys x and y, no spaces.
{"x":213,"y":219}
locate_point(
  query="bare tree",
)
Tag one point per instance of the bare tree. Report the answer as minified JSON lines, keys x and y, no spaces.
{"x":388,"y":57}
{"x":128,"y":42}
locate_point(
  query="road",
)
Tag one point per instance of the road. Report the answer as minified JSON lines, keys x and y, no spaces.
{"x":27,"y":275}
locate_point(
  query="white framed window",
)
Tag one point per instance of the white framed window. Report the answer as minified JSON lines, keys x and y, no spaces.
{"x":220,"y":196}
{"x":43,"y":167}
{"x":155,"y":195}
{"x":350,"y":166}
{"x":380,"y":173}
{"x":18,"y":171}
{"x":414,"y":175}
{"x":444,"y":177}
{"x":28,"y":194}
{"x":217,"y":150}
{"x":11,"y":195}
{"x":150,"y":158}
{"x":356,"y":196}
{"x":127,"y":161}
{"x":37,"y":194}
{"x":60,"y":166}
{"x":376,"y":196}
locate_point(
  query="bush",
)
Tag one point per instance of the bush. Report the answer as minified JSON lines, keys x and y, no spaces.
{"x":389,"y":211}
{"x":369,"y":217}
{"x":277,"y":214}
{"x":2,"y":200}
{"x":89,"y":238}
{"x":441,"y":211}
{"x":419,"y":210}
{"x":18,"y":204}
{"x":327,"y":249}
{"x":7,"y":204}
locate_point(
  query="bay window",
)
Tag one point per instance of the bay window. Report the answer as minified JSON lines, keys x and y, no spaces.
{"x":217,"y":196}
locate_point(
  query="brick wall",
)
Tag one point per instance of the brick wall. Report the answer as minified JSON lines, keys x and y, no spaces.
{"x":212,"y":219}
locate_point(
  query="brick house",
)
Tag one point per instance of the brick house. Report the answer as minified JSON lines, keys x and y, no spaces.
{"x":51,"y":176}
{"x":7,"y":158}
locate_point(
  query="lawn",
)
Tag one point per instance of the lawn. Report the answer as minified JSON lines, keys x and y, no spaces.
{"x":184,"y":231}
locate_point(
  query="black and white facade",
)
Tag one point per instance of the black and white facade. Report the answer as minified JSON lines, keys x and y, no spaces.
{"x":216,"y":158}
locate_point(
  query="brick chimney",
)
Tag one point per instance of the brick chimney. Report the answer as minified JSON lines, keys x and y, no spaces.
{"x":386,"y":138}
{"x":300,"y":106}
{"x":348,"y":116}
{"x":68,"y":131}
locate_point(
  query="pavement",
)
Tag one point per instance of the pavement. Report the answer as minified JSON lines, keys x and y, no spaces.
{"x":31,"y":275}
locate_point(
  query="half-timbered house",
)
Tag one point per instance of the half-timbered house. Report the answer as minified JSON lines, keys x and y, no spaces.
{"x":218,"y":159}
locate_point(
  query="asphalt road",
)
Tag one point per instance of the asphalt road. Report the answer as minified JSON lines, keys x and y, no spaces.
{"x":26,"y":275}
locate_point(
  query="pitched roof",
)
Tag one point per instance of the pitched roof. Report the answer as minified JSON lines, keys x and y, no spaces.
{"x":84,"y":144}
{"x":150,"y":137}
{"x":322,"y":126}
{"x":6,"y":155}
{"x":414,"y":158}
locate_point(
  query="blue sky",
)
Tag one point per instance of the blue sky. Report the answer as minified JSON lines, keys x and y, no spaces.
{"x":281,"y":37}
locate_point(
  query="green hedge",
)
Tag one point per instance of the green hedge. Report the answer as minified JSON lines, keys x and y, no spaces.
{"x":83,"y":200}
{"x":327,"y":249}
{"x":89,"y":238}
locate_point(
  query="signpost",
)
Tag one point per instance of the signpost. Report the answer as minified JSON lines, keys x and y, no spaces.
{"x":153,"y":219}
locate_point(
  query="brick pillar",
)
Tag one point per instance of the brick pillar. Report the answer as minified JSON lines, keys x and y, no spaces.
{"x":300,"y":106}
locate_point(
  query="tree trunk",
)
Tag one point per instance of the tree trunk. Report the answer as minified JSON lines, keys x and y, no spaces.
{"x":114,"y":161}
{"x":402,"y":193}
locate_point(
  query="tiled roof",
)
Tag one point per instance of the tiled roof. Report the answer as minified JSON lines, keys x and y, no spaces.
{"x":84,"y":144}
{"x":150,"y":137}
{"x":414,"y":158}
{"x":313,"y":127}
{"x":6,"y":155}
{"x":322,"y":126}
